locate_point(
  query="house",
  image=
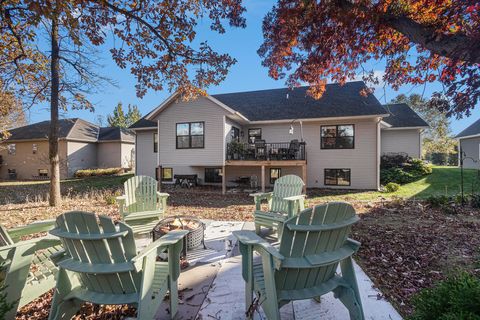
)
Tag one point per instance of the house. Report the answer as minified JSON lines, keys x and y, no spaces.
{"x":402,"y":131}
{"x":469,"y":144}
{"x":82,"y":145}
{"x":228,"y":138}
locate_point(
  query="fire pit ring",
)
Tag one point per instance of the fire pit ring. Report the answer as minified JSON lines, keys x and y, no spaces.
{"x":196,"y":227}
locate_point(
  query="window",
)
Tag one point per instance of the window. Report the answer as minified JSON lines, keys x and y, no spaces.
{"x":167,"y":174}
{"x":12,"y":148}
{"x":155,"y":142}
{"x":190,"y":135}
{"x":235,"y":134}
{"x":254,"y":134}
{"x":337,"y":137}
{"x":337,"y":177}
{"x":213,"y":175}
{"x":275,"y":173}
{"x":42,"y":172}
{"x":34,"y":148}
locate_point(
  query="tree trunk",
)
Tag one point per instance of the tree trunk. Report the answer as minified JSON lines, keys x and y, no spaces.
{"x":55,"y":197}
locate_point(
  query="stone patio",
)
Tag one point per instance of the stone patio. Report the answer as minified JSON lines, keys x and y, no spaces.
{"x":212,"y":286}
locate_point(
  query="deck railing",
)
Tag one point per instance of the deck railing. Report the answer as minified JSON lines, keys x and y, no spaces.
{"x":259,"y":151}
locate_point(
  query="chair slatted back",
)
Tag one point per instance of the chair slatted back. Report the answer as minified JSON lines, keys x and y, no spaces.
{"x":5,"y":238}
{"x":316,"y":233}
{"x":99,"y":253}
{"x":286,"y":186}
{"x":141,"y":194}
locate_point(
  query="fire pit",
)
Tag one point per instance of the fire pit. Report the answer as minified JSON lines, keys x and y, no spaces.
{"x":194,"y":238}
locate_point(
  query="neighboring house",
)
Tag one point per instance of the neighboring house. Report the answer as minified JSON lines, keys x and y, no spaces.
{"x":402,"y":131}
{"x":469,"y":144}
{"x":226,"y":138}
{"x":82,"y":145}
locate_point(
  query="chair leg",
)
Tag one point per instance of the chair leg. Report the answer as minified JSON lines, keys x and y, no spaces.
{"x":258,"y":229}
{"x":350,"y":296}
{"x":248,"y":300}
{"x":61,"y":308}
{"x":172,"y":286}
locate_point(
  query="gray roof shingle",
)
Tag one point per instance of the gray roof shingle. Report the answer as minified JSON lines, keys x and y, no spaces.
{"x":285,"y":103}
{"x":143,"y":123}
{"x":114,"y":134}
{"x":471,"y":130}
{"x":71,"y":129}
{"x":401,"y":115}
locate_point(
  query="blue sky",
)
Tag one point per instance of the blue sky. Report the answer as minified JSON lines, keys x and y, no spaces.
{"x":247,"y":74}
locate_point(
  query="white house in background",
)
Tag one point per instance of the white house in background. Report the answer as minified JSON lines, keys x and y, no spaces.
{"x":335,"y":141}
{"x":402,"y":131}
{"x":469,"y":143}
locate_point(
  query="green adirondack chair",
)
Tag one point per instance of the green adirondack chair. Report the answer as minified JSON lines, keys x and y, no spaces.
{"x":284,"y":202}
{"x":312,"y":246}
{"x":142,"y":206}
{"x":101,"y":266}
{"x":27,"y":269}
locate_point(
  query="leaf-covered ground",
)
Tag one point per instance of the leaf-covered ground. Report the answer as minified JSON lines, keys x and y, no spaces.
{"x":405,"y":246}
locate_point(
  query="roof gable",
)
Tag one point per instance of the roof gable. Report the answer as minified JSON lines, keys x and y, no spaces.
{"x":402,"y":116}
{"x":472,"y":130}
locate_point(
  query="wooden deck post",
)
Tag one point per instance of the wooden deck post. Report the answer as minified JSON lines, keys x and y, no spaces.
{"x":263,"y":179}
{"x":304,"y":177}
{"x":224,"y":180}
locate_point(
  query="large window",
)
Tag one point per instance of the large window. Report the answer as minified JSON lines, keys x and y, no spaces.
{"x":338,"y":137}
{"x":155,"y":142}
{"x":167,"y":174}
{"x":275,"y":173}
{"x":190,"y":135}
{"x":12,"y":149}
{"x":213,"y":175}
{"x":254,"y":134}
{"x":337,"y":177}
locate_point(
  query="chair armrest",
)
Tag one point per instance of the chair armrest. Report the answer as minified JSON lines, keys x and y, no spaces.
{"x":258,"y":197}
{"x":355,"y":245}
{"x":58,"y":256}
{"x":121,"y":199}
{"x":250,"y":238}
{"x":163,"y":195}
{"x":295,"y":198}
{"x":171,"y":238}
{"x":36,"y":227}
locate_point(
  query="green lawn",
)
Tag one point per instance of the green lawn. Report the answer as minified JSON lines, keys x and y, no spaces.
{"x":443,"y":180}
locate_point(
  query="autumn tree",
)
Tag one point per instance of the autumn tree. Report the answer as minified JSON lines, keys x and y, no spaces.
{"x":437,"y":138}
{"x":12,"y":114}
{"x":154,"y":39}
{"x":420,"y":41}
{"x":120,"y":119}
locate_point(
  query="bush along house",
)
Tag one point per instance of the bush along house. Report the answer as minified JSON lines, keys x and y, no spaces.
{"x":255,"y":137}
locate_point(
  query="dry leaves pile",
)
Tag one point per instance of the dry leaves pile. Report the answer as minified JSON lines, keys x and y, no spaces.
{"x":406,"y":247}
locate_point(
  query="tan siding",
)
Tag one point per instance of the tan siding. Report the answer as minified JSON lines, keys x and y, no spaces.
{"x":406,"y":141}
{"x":81,"y":155}
{"x":109,"y":155}
{"x":26,"y":163}
{"x":471,"y":147}
{"x":145,"y":158}
{"x":126,"y":160}
{"x":198,"y":110}
{"x":361,"y":160}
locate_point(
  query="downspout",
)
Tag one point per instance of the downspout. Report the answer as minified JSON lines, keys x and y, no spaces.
{"x":158,"y":143}
{"x":378,"y":152}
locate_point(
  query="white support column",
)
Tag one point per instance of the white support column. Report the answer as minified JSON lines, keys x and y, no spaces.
{"x":304,"y":177}
{"x":263,"y":178}
{"x":224,"y":180}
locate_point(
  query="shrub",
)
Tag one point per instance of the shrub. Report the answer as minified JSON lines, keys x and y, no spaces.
{"x":475,"y":201}
{"x":392,"y":187}
{"x":438,"y":201}
{"x":457,"y":297}
{"x":97,"y":172}
{"x":393,"y":160}
{"x":402,"y":169}
{"x":396,"y":175}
